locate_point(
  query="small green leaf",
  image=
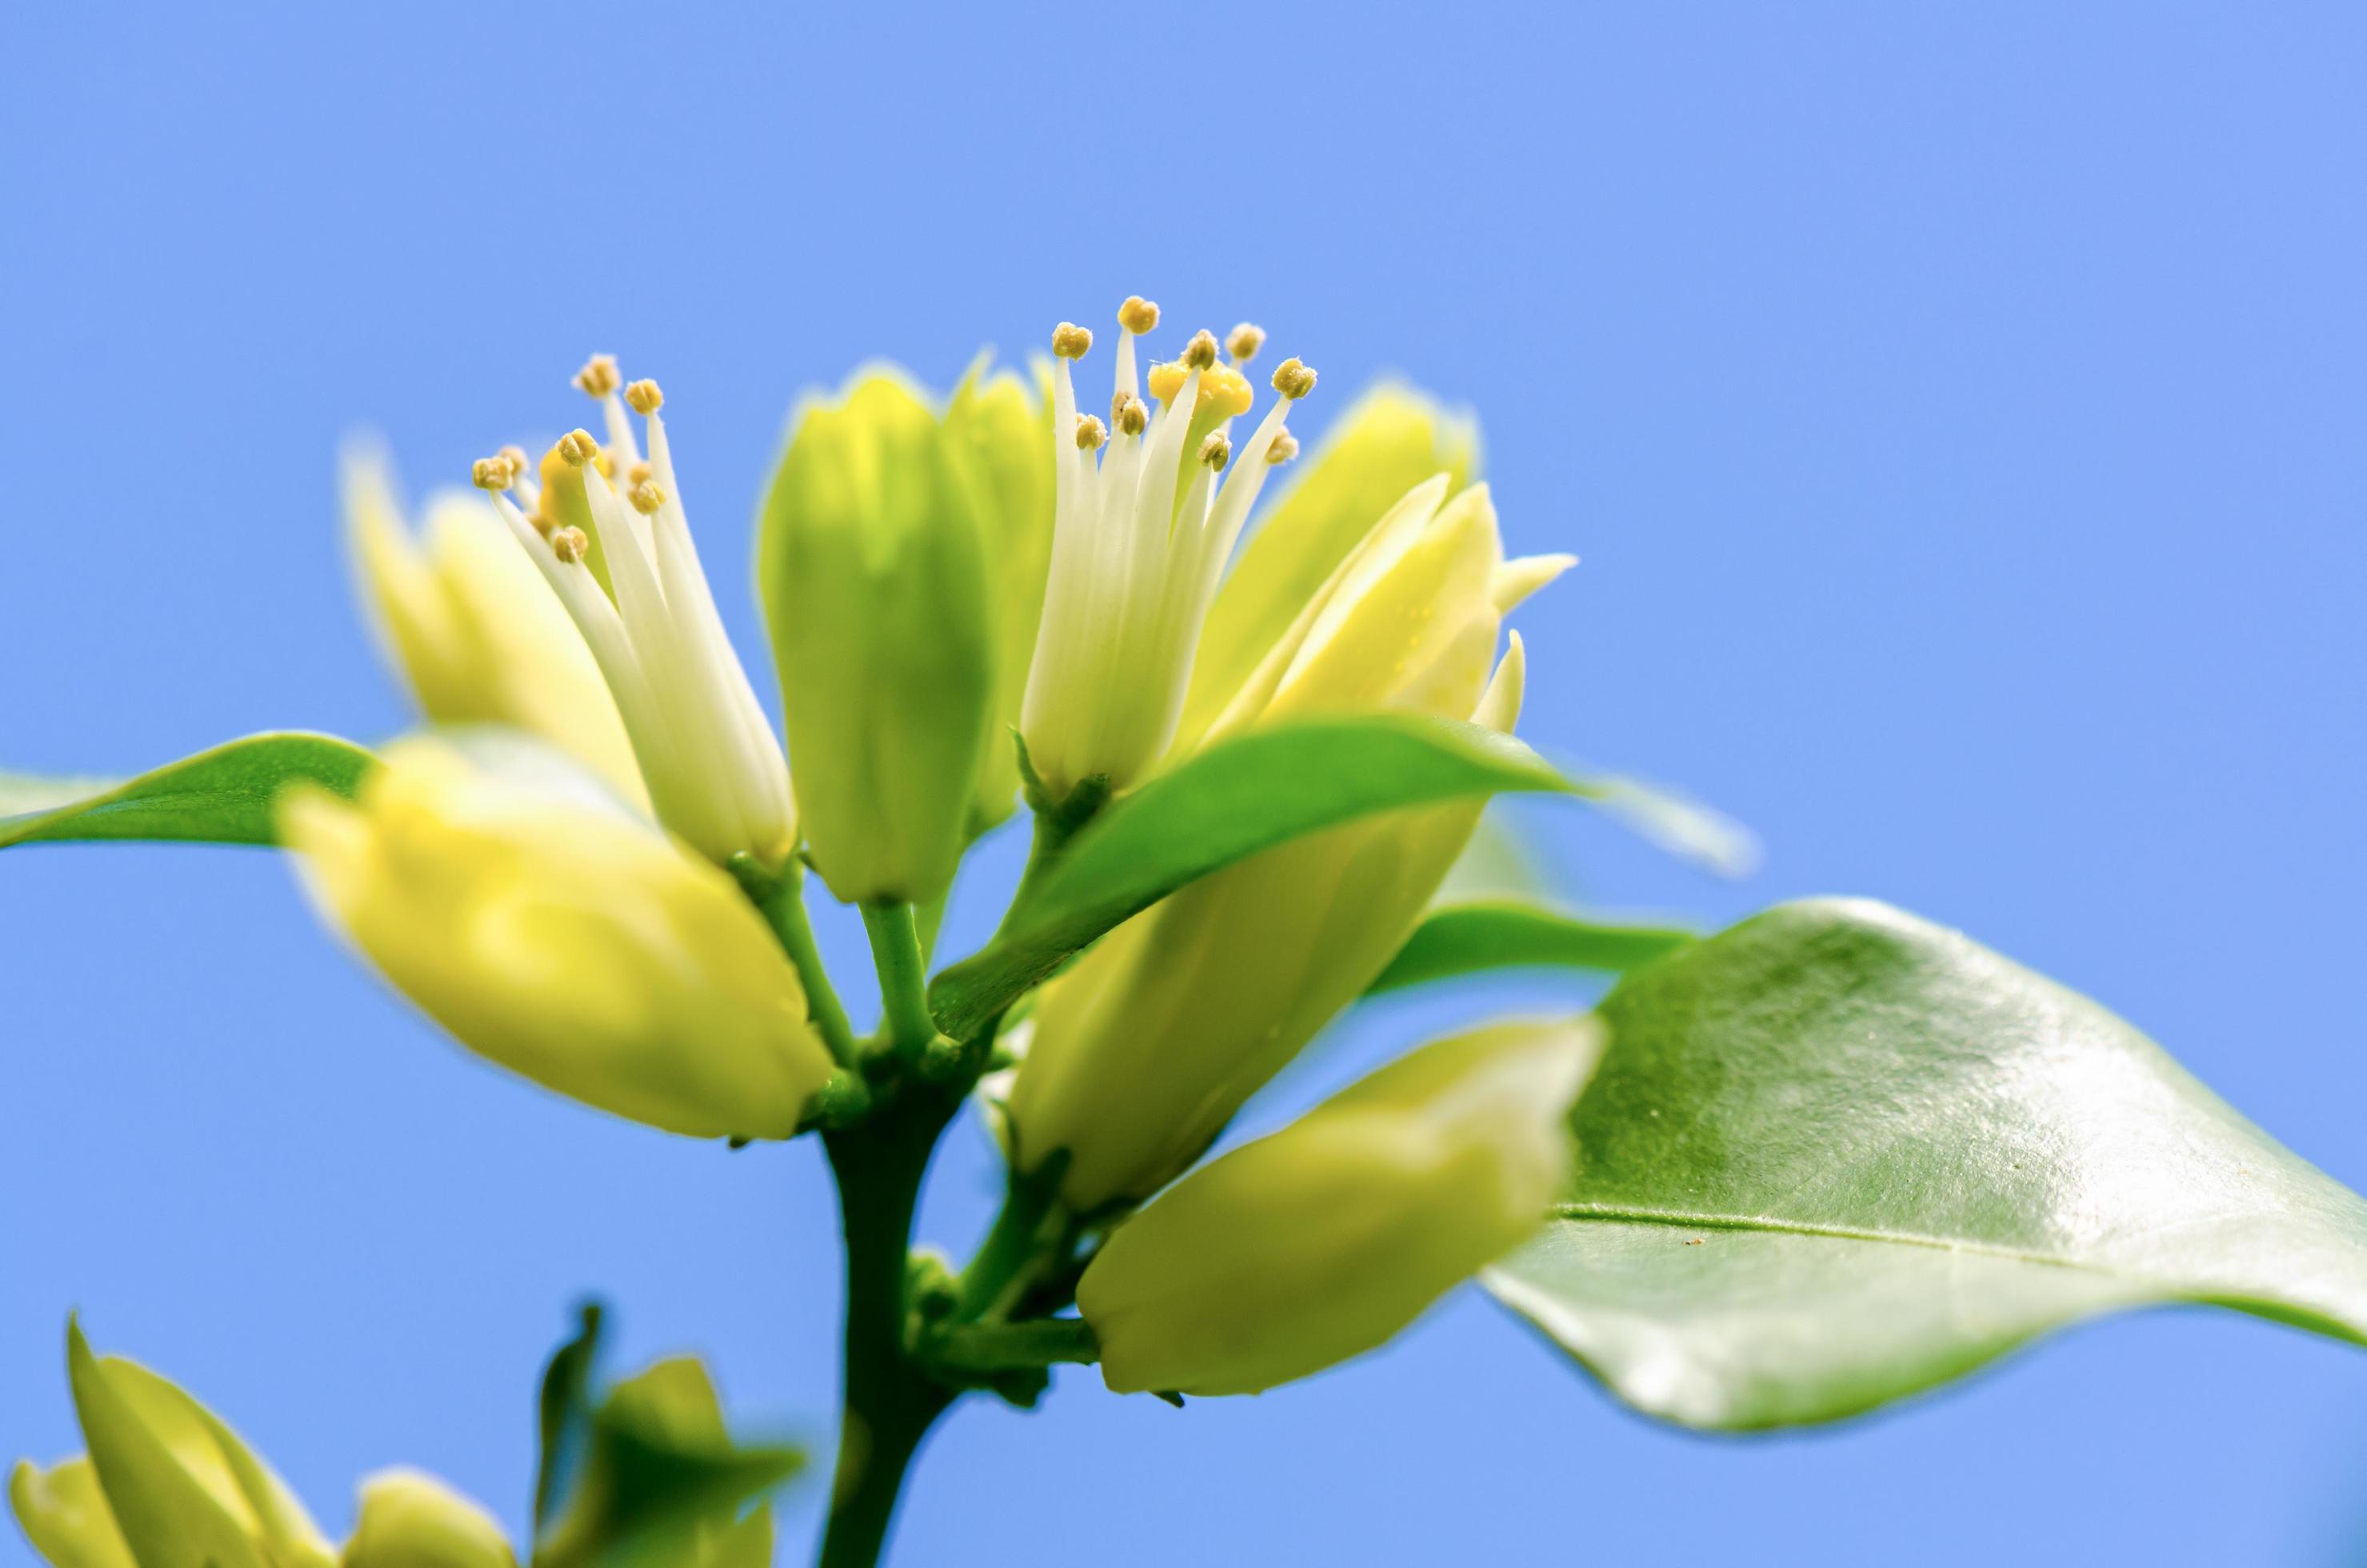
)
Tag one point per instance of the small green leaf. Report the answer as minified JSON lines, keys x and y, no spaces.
{"x":1231,"y":800}
{"x":1466,"y":938}
{"x":564,"y":1414}
{"x":222,"y":796}
{"x":1838,"y":1154}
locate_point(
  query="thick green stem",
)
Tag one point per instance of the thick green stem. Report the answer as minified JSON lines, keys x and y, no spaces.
{"x":890,"y":1402}
{"x":903,"y":977}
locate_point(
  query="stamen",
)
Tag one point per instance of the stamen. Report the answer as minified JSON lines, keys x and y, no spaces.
{"x":520,"y":464}
{"x":1137,"y":315}
{"x":1216,"y":451}
{"x":644,"y":397}
{"x":1243,"y":342}
{"x":568,"y":545}
{"x":637,"y":474}
{"x":492,"y":473}
{"x":646,"y":498}
{"x":578,"y":447}
{"x":598,"y":377}
{"x":1293,"y":380}
{"x":1071,"y":340}
{"x":1201,"y":352}
{"x":1283,"y":448}
{"x":1132,"y":414}
{"x":1091,"y":433}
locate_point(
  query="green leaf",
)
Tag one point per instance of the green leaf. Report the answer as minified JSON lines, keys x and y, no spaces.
{"x":564,"y":1414}
{"x":1493,"y":933}
{"x":222,"y":796}
{"x":1224,"y":803}
{"x":650,"y":1494}
{"x":1838,"y":1154}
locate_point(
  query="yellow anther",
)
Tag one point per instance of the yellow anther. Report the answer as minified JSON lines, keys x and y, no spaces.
{"x":1224,"y":391}
{"x":1201,"y":352}
{"x":1243,"y":342}
{"x":598,"y":377}
{"x":637,"y":474}
{"x":1285,"y":448}
{"x":543,"y":521}
{"x":1293,"y":380}
{"x":1091,"y":433}
{"x":644,"y":396}
{"x":1137,"y":315}
{"x":568,"y":544}
{"x":492,"y":473}
{"x":646,"y":498}
{"x":578,"y":447}
{"x":1131,"y":416}
{"x":1216,"y":451}
{"x":1070,"y":341}
{"x":519,"y":463}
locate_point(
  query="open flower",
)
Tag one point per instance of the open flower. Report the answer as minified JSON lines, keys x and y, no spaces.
{"x":1322,"y":1241}
{"x":607,"y":531}
{"x":1145,"y":516}
{"x":1149,"y":1042}
{"x":561,"y":938}
{"x":474,"y":634}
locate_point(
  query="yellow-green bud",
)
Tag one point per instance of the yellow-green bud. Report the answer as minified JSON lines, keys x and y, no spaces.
{"x":412,"y":1520}
{"x":999,"y":425}
{"x":174,"y":1485}
{"x":1320,"y":1243}
{"x":875,"y":587}
{"x":565,"y":939}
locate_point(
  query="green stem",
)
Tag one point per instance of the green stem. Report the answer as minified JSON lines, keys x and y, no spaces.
{"x":1055,"y":826}
{"x":903,"y":977}
{"x":783,"y":903}
{"x":1014,"y":1249}
{"x":1014,"y":1346}
{"x":890,"y":1402}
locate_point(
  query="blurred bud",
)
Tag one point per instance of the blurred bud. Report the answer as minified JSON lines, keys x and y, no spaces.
{"x":877,"y":594}
{"x":1391,"y":441}
{"x":565,"y":940}
{"x":462,"y":618}
{"x":64,"y":1514}
{"x":165,"y":1484}
{"x":1144,"y":1049}
{"x":1320,"y":1243}
{"x":1003,"y":430}
{"x":412,"y":1520}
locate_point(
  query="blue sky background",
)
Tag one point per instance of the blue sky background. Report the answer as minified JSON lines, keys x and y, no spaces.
{"x":1959,"y":409}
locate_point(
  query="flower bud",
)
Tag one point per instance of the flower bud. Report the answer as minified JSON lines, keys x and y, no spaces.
{"x":1320,"y":1243}
{"x":412,"y":1520}
{"x":1390,"y":441}
{"x":1002,"y":429}
{"x":63,"y":1512}
{"x":875,"y":593}
{"x":464,"y":620}
{"x":166,"y":1483}
{"x":1148,"y":1044}
{"x":566,"y":940}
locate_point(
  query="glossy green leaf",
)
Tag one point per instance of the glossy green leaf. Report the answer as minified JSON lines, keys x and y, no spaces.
{"x":564,"y":1413}
{"x":1838,"y":1154}
{"x":1224,"y":803}
{"x":1495,"y":934}
{"x":222,"y":796}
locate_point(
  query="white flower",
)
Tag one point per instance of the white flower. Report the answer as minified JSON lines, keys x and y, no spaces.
{"x":1143,"y":524}
{"x":608,"y":532}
